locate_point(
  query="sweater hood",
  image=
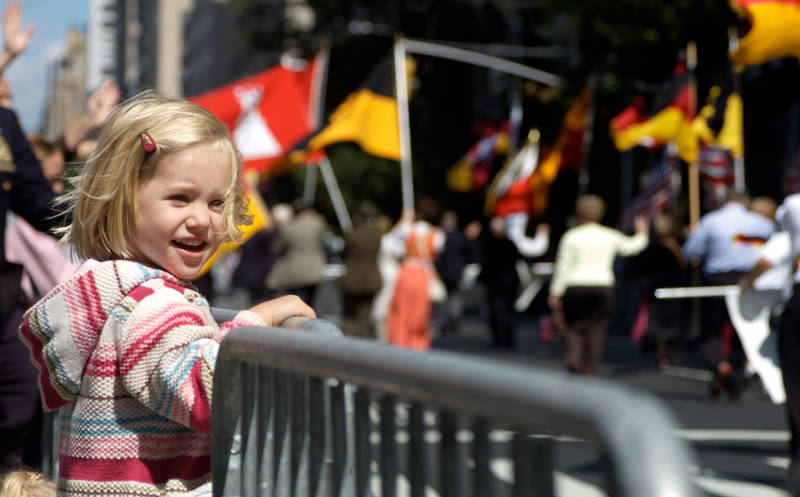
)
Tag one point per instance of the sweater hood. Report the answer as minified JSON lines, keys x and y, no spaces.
{"x":62,"y":330}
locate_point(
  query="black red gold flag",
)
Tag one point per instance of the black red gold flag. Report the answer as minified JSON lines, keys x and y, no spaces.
{"x":367,"y":117}
{"x":665,"y":118}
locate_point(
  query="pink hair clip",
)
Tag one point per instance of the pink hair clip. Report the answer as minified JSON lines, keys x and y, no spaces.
{"x":148,"y":144}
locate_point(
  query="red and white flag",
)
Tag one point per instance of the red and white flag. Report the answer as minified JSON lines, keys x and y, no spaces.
{"x":270,"y":112}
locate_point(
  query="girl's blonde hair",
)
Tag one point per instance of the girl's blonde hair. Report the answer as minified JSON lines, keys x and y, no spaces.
{"x":102,"y":204}
{"x":26,"y":484}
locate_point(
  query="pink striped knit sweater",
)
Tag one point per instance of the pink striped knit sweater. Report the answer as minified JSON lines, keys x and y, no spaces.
{"x":130,"y":351}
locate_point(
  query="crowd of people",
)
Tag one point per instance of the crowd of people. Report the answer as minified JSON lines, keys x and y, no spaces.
{"x":124,"y":340}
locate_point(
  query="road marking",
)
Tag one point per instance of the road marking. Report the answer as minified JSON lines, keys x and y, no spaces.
{"x":734,"y":435}
{"x":688,"y":373}
{"x":777,"y":462}
{"x":734,"y":488}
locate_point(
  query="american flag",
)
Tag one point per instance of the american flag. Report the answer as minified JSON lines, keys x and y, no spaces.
{"x":715,"y":165}
{"x":655,"y":196}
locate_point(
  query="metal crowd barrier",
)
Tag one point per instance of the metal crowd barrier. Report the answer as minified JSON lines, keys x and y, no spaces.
{"x":311,"y":414}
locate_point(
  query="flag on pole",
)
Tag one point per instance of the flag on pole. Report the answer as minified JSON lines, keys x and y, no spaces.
{"x":270,"y":112}
{"x":510,"y":190}
{"x":774,"y":30}
{"x":530,"y":191}
{"x":715,"y":165}
{"x":720,"y":122}
{"x":666,"y":118}
{"x":367,"y":117}
{"x":472,"y":171}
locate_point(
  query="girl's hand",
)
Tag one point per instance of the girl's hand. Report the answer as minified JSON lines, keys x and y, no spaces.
{"x":275,"y":311}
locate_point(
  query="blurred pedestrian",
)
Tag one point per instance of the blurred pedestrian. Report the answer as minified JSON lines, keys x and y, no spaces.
{"x":460,"y":248}
{"x":726,"y":242}
{"x":418,"y":241}
{"x":583,"y":280}
{"x":300,"y":254}
{"x":789,"y":338}
{"x":389,"y":266}
{"x":661,"y":321}
{"x":362,"y":278}
{"x":499,"y":256}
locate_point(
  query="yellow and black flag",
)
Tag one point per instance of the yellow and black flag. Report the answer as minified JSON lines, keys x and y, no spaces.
{"x":720,"y":122}
{"x":774,"y":30}
{"x":667,"y":117}
{"x":367,"y":117}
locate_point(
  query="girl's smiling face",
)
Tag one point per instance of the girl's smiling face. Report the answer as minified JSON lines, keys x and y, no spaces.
{"x":179,"y":219}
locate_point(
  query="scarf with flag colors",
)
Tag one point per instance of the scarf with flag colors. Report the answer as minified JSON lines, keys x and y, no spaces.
{"x":774,"y":30}
{"x":270,"y":112}
{"x":666,"y":118}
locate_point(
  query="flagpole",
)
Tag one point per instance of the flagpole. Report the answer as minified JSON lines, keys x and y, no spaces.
{"x":316,"y":110}
{"x":738,"y":162}
{"x":401,"y":87}
{"x":693,"y":173}
{"x":310,"y":185}
{"x":336,"y":194}
{"x":479,"y":59}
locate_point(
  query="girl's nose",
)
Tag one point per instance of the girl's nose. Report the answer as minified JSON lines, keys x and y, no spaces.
{"x":199,"y":218}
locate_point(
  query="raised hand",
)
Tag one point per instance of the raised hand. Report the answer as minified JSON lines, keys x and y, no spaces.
{"x":16,"y":40}
{"x":101,"y":103}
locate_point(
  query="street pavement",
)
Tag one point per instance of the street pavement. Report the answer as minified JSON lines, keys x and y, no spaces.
{"x":741,"y":446}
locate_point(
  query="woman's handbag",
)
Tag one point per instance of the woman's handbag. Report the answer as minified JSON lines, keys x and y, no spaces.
{"x":436,"y":289}
{"x":437,"y":292}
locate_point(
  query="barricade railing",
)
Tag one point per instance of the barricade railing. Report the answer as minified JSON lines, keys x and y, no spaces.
{"x":310,"y":414}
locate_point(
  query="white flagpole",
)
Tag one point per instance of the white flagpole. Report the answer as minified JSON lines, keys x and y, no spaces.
{"x":316,"y":109}
{"x":335,"y":193}
{"x":401,"y":89}
{"x":479,"y":59}
{"x":310,"y":185}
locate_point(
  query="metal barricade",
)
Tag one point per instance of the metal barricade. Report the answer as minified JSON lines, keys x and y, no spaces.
{"x":310,"y":414}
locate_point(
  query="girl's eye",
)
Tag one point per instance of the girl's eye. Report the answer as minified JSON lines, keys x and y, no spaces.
{"x":179,"y":198}
{"x":216,"y":204}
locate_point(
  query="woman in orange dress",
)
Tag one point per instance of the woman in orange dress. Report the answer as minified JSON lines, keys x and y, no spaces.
{"x":417,"y":242}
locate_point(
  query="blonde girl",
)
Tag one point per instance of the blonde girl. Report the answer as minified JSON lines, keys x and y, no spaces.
{"x":128,"y":346}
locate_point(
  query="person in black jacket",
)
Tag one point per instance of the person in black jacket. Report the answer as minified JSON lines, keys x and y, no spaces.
{"x":25,"y":191}
{"x":499,"y":277}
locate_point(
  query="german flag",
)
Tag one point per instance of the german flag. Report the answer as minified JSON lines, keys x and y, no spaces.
{"x":666,"y":118}
{"x":720,"y":122}
{"x":367,"y":117}
{"x":774,"y":30}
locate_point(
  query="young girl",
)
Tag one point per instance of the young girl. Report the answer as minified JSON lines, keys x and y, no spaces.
{"x":127,"y":345}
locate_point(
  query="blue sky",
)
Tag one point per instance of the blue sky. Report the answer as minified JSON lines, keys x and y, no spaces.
{"x":27,"y":75}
